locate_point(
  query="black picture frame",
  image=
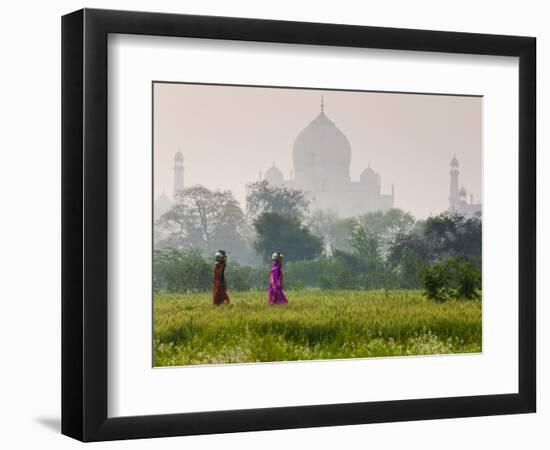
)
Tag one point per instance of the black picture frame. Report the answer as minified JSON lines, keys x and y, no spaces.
{"x":84,"y":224}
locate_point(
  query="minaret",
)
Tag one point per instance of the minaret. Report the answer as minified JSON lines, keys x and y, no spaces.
{"x":453,"y":194}
{"x":178,"y":172}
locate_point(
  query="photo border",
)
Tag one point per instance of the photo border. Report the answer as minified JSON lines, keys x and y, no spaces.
{"x":84,"y":224}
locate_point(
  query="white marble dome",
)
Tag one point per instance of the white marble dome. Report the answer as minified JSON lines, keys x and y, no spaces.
{"x":321,"y":143}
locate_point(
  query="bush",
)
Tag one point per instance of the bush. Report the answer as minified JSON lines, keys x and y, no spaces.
{"x":451,"y":279}
{"x":245,"y":278}
{"x":469,"y":281}
{"x":181,"y":271}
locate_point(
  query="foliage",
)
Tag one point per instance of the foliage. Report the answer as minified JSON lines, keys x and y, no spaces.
{"x":181,"y":271}
{"x":333,"y":230}
{"x":200,"y":215}
{"x":468,"y":281}
{"x":330,"y":273}
{"x":320,"y":222}
{"x":386,"y":225}
{"x":204,"y":219}
{"x":407,"y":253}
{"x":263,"y":197}
{"x":377,"y":250}
{"x":314,"y":325}
{"x":449,"y":235}
{"x":451,"y":279}
{"x":408,"y":274}
{"x":277,"y":232}
{"x":245,"y":278}
{"x":188,"y":271}
{"x":366,"y":245}
{"x":436,"y":239}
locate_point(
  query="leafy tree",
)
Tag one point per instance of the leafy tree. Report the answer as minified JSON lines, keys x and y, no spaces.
{"x":450,"y":234}
{"x":339,"y":233}
{"x":412,"y":241}
{"x":387,"y":224}
{"x":263,"y":197}
{"x":204,"y":219}
{"x":434,"y":240}
{"x":407,"y":252}
{"x":334,"y":231}
{"x":321,"y":223}
{"x":365,"y":243}
{"x":366,"y":258}
{"x":408,"y":274}
{"x":286,"y":233}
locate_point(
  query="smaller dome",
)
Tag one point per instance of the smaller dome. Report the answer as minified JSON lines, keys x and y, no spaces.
{"x":163,"y":198}
{"x":369,"y":175}
{"x":454,"y":162}
{"x":274,"y":176}
{"x":162,"y":204}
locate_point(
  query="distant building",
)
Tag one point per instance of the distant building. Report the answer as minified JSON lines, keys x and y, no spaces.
{"x":458,"y":197}
{"x":322,"y":157}
{"x":178,"y":172}
{"x":163,"y":203}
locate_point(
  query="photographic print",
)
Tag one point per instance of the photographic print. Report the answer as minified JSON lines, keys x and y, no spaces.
{"x":297,"y":224}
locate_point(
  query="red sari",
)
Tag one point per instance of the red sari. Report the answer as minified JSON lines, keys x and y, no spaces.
{"x":219,"y":290}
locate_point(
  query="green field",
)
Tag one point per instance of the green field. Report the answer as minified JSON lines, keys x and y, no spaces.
{"x":315,"y":325}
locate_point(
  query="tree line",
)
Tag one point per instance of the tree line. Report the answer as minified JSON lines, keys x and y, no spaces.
{"x":388,"y":250}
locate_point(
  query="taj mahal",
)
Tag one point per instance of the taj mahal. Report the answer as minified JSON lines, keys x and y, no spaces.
{"x":322,"y":155}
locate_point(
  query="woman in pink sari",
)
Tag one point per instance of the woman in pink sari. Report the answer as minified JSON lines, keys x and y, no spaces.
{"x":275,"y":294}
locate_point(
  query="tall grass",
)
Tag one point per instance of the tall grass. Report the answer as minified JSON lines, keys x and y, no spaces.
{"x":315,"y":325}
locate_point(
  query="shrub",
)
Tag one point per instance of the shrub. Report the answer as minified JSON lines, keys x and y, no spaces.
{"x":245,"y":278}
{"x":437,"y":282}
{"x":469,"y":281}
{"x":451,"y":279}
{"x":181,"y":271}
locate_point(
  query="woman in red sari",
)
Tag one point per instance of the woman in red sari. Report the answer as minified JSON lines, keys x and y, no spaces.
{"x":275,"y":293}
{"x":219,"y":289}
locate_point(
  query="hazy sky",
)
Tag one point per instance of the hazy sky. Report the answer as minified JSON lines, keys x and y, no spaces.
{"x":228,"y":134}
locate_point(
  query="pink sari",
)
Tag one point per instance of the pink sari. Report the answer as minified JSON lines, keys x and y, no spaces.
{"x":275,"y":294}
